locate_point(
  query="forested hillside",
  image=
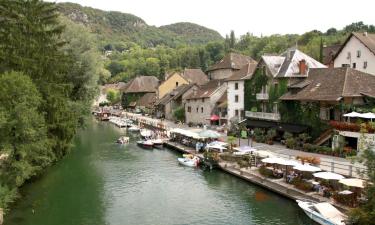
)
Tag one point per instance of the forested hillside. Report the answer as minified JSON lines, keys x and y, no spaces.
{"x":116,"y":27}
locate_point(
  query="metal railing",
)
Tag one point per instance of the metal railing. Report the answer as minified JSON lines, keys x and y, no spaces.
{"x":263,"y":115}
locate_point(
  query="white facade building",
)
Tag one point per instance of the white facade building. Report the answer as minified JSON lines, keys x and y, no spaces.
{"x":236,"y":91}
{"x":358,"y":52}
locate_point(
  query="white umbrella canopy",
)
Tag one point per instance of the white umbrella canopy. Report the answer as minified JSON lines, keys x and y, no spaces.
{"x":328,"y":176}
{"x":353,"y":114}
{"x":368,"y":115}
{"x":307,"y":168}
{"x":353,"y":182}
{"x":210,"y":134}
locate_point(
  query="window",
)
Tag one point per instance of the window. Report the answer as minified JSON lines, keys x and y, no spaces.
{"x":202,"y":99}
{"x":236,"y":98}
{"x":236,"y":112}
{"x":364,"y":64}
{"x":189,"y":109}
{"x":176,"y":84}
{"x":354,"y":65}
{"x":235,"y":86}
{"x":359,"y":54}
{"x":345,"y":65}
{"x":201,"y":109}
{"x":348,"y":55}
{"x":197,"y":109}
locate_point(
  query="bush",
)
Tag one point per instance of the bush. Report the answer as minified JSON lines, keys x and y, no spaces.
{"x":291,"y":143}
{"x":259,"y":135}
{"x":302,"y":185}
{"x":265,"y":172}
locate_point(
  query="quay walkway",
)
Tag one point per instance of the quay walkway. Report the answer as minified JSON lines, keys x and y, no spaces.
{"x":252,"y":175}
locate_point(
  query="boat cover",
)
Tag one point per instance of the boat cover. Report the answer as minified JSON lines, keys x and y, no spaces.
{"x":330,"y":212}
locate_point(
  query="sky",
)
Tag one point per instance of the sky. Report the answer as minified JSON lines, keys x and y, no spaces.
{"x":260,"y":17}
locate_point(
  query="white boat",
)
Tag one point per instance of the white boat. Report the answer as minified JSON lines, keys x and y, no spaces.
{"x":145,"y":143}
{"x":158,"y":143}
{"x":133,"y":128}
{"x":123,"y":140}
{"x":194,"y":162}
{"x":323,"y":213}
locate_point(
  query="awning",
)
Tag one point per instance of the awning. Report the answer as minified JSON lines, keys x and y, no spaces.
{"x":260,"y":124}
{"x":214,"y":118}
{"x":291,"y":128}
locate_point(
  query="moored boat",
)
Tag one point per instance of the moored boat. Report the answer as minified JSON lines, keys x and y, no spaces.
{"x":323,"y":213}
{"x":145,"y":143}
{"x":123,"y":140}
{"x":133,"y":128}
{"x":158,"y":143}
{"x":191,"y":162}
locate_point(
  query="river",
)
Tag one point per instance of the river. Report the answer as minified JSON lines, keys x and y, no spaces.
{"x":101,"y":183}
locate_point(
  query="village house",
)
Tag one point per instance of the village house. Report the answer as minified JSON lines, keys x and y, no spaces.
{"x":164,"y":107}
{"x":188,"y":76}
{"x":137,"y":88}
{"x":202,"y":103}
{"x":337,"y":91}
{"x":235,"y":91}
{"x":228,"y":65}
{"x":269,"y":81}
{"x":146,"y":103}
{"x":329,"y":53}
{"x":358,"y":52}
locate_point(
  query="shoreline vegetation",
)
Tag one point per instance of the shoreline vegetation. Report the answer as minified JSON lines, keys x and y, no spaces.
{"x":49,"y":69}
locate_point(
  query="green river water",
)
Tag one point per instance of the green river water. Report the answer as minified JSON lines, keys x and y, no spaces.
{"x":102,"y":183}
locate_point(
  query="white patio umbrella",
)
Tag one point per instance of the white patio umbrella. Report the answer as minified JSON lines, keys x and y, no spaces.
{"x":353,"y":182}
{"x":328,"y":176}
{"x":353,"y":114}
{"x":209,"y":134}
{"x":368,"y":115}
{"x":307,"y":168}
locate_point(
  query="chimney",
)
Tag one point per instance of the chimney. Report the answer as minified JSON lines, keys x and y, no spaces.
{"x":195,"y":90}
{"x":365,"y":33}
{"x":302,"y":67}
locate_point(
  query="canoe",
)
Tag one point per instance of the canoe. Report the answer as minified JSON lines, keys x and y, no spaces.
{"x":323,"y":213}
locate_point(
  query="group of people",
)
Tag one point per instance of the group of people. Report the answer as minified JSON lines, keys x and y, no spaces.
{"x":199,"y":146}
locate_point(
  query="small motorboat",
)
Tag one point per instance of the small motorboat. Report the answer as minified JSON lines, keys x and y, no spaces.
{"x":123,"y":140}
{"x":145,"y":144}
{"x":158,"y":143}
{"x":191,"y":162}
{"x":133,"y":128}
{"x":323,"y":212}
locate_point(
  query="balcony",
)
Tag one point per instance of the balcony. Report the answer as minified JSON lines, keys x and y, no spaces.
{"x":352,"y":127}
{"x":263,"y":115}
{"x":262,"y":96}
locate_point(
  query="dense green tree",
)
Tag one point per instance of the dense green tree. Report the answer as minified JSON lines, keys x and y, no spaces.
{"x":23,"y":132}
